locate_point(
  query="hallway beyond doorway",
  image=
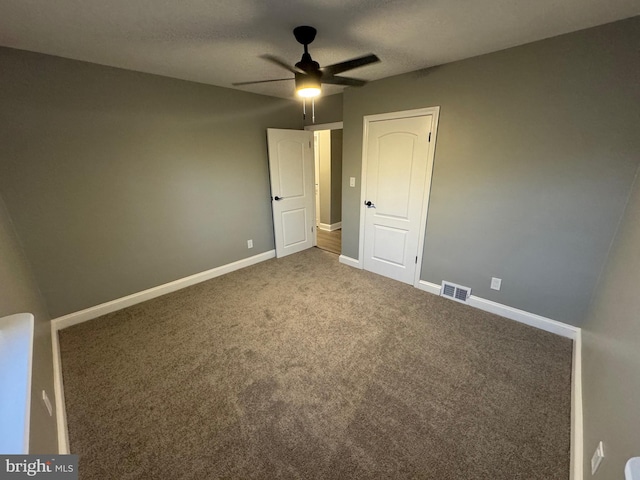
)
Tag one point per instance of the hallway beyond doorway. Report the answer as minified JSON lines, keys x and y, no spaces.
{"x":330,"y":241}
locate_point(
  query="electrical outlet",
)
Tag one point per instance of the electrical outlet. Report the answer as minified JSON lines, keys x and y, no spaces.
{"x":47,"y":403}
{"x":352,"y":181}
{"x":249,"y":243}
{"x":598,"y":455}
{"x":496,"y":283}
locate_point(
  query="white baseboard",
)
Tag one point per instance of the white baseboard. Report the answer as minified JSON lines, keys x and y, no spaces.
{"x":61,"y":411}
{"x":527,"y":318}
{"x":352,"y":262}
{"x":516,"y":314}
{"x":428,"y":287}
{"x":330,"y":227}
{"x":577,"y":432}
{"x":120,"y":303}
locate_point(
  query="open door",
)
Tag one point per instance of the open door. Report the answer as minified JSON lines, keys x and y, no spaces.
{"x":291,"y":166}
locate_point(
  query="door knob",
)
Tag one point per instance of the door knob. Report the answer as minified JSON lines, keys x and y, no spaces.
{"x":369,"y":204}
{"x":277,"y":198}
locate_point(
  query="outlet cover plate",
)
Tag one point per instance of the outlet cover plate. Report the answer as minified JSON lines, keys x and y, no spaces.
{"x":598,"y":455}
{"x":249,"y":243}
{"x":47,"y":403}
{"x":496,"y":283}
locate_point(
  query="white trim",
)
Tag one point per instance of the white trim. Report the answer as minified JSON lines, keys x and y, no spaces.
{"x":330,"y":227}
{"x":316,"y":186}
{"x":325,"y":126}
{"x":577,"y":432}
{"x":58,"y":386}
{"x":427,"y":190}
{"x":428,"y":287}
{"x":352,"y":262}
{"x":366,"y":120}
{"x":120,"y":303}
{"x":521,"y":316}
{"x":27,"y":422}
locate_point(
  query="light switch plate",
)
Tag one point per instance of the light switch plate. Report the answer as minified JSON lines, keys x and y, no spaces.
{"x":47,"y":403}
{"x":352,"y":181}
{"x":598,"y":455}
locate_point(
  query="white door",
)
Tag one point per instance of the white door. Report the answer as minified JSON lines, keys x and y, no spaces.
{"x":396,"y":173}
{"x":291,"y":165}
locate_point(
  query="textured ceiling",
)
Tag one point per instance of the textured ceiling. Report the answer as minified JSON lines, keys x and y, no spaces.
{"x":219,"y":42}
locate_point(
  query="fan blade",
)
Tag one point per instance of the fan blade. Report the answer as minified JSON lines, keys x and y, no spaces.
{"x":281,"y":63}
{"x":350,"y":64}
{"x":350,"y":82}
{"x":237,"y":84}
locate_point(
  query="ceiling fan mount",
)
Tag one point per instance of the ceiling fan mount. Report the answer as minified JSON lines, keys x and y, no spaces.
{"x":309,"y":74}
{"x":305,"y":34}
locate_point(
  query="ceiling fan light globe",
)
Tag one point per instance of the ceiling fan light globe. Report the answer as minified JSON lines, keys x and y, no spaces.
{"x":308,"y":86}
{"x":308,"y":92}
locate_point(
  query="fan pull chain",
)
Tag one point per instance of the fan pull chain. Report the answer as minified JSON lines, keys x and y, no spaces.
{"x":313,"y":110}
{"x":304,"y":108}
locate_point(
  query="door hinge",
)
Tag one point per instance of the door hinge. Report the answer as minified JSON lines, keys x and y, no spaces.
{"x":416,"y":260}
{"x":309,"y":143}
{"x":311,"y":229}
{"x":429,"y":136}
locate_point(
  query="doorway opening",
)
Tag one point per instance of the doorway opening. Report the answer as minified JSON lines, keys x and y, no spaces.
{"x":328,"y":188}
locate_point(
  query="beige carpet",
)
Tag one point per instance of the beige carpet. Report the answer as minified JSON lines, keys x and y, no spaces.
{"x":304,"y":368}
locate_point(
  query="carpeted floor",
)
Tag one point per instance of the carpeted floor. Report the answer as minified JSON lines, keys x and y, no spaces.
{"x":304,"y":368}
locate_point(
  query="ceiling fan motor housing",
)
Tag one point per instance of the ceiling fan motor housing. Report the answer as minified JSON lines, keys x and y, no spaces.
{"x":307,"y":64}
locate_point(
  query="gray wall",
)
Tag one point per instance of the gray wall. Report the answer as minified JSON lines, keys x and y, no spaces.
{"x":119,"y":181}
{"x":611,"y":353}
{"x":19,"y":293}
{"x":536,"y":151}
{"x":336,"y":176}
{"x":328,"y":109}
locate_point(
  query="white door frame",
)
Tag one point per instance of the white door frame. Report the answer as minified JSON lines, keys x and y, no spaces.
{"x":316,"y":183}
{"x":313,"y":128}
{"x":324,"y":126}
{"x":367,"y":119}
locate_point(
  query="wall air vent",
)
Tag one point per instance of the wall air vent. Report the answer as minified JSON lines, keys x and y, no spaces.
{"x":455,"y":292}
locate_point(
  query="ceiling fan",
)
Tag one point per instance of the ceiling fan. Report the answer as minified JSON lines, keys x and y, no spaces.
{"x":308,"y":74}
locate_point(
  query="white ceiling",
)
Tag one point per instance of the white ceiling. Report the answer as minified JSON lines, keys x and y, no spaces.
{"x":219,"y":42}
